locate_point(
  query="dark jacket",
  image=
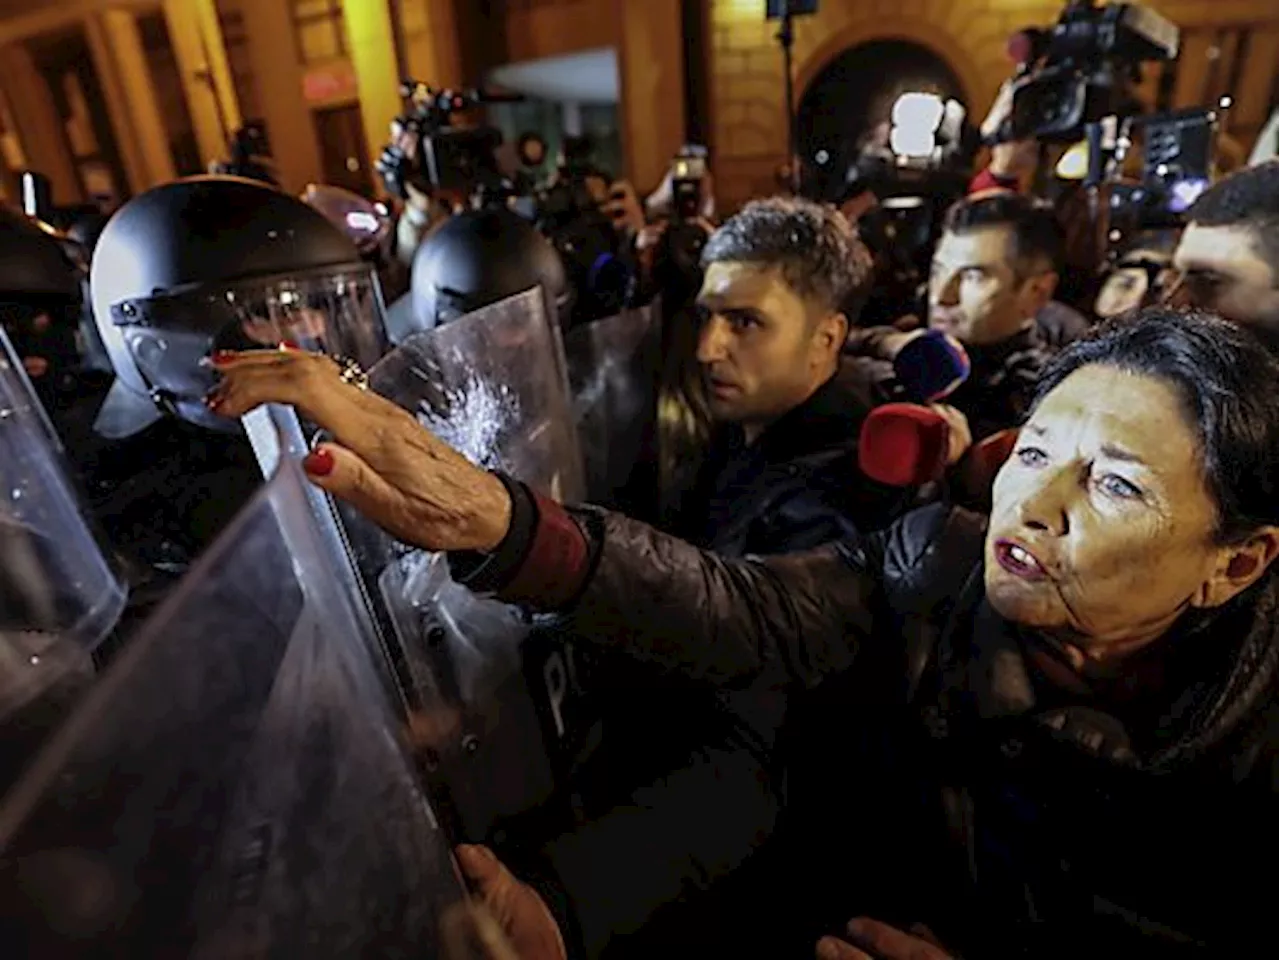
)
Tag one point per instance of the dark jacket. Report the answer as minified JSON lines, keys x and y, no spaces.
{"x":1013,"y":819}
{"x":687,"y":782}
{"x":1002,"y":382}
{"x":798,"y":486}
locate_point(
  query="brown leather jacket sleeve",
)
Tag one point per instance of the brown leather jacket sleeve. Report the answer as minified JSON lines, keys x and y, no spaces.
{"x":691,"y":611}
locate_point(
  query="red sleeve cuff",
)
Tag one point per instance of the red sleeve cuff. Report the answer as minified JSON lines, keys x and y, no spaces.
{"x":986,"y":180}
{"x":542,"y":562}
{"x":557,"y":563}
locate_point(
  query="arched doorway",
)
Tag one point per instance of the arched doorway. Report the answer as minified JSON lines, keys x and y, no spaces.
{"x":854,"y":93}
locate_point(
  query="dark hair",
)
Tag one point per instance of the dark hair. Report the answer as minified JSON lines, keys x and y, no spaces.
{"x":1227,"y":382}
{"x":1247,"y":199}
{"x":1037,"y":235}
{"x":816,"y":250}
{"x":1156,"y":241}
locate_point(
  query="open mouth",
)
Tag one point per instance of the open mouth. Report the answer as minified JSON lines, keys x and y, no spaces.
{"x":721,"y":388}
{"x":1017,"y":560}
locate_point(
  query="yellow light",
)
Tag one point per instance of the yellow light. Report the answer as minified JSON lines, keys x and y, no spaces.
{"x":1074,"y":164}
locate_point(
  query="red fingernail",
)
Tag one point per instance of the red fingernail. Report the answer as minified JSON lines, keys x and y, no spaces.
{"x":222,"y":356}
{"x":289,"y":345}
{"x":318,"y":463}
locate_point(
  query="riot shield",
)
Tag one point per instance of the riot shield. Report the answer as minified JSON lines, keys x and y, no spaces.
{"x":492,"y":385}
{"x":493,"y":707}
{"x":235,"y":785}
{"x":613,"y":377}
{"x":58,"y":596}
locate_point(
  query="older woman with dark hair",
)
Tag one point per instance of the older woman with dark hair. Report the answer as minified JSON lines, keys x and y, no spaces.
{"x":1061,"y":729}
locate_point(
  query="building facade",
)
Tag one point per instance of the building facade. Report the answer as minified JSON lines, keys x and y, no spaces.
{"x":114,"y":96}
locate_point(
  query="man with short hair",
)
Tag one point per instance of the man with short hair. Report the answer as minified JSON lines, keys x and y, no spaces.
{"x":991,"y":285}
{"x":779,"y":473}
{"x":687,"y":781}
{"x":1226,"y":260}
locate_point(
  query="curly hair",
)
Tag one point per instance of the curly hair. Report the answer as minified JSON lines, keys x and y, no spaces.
{"x":1247,"y":198}
{"x":813,"y":246}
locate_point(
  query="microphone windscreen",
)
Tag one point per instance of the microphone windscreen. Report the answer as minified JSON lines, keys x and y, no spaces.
{"x":903,"y":445}
{"x":984,"y":460}
{"x":931,"y":366}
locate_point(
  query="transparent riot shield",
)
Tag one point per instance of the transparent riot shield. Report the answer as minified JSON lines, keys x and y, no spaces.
{"x":59,"y":598}
{"x":492,"y":385}
{"x":613,"y":377}
{"x":494,"y":706}
{"x":236,"y":784}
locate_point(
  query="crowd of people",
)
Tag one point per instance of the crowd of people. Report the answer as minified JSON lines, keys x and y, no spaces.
{"x":1032,"y":719}
{"x":1045,"y":730}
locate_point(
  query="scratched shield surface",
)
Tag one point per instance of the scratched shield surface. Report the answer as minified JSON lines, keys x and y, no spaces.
{"x":492,"y":384}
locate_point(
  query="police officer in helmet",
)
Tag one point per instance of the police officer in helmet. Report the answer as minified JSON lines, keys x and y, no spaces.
{"x":41,"y":303}
{"x":181,"y":271}
{"x":472,"y":260}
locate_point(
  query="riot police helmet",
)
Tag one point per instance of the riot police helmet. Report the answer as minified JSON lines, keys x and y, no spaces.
{"x":41,"y":295}
{"x":220,"y":263}
{"x":477,"y":258}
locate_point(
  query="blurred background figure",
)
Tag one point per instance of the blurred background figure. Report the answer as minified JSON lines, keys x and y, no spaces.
{"x":1139,"y":276}
{"x":248,"y":155}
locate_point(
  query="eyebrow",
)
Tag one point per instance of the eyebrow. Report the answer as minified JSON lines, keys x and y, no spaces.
{"x":1112,"y":452}
{"x":1109,"y":450}
{"x":717,"y":305}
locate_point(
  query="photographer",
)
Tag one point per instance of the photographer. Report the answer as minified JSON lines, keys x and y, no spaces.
{"x":1139,"y":275}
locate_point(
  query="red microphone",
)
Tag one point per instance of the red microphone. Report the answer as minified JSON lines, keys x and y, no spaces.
{"x":977,"y":471}
{"x":903,"y":445}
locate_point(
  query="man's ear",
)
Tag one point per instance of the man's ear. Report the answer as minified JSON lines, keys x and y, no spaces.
{"x":1238,"y":567}
{"x":831,"y":333}
{"x":1039,"y":290}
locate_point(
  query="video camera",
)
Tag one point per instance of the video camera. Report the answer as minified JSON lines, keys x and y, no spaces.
{"x":1080,"y":70}
{"x":430,"y":153}
{"x":1177,"y":166}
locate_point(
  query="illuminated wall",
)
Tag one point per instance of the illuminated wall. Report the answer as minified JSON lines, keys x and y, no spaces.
{"x":1224,"y":42}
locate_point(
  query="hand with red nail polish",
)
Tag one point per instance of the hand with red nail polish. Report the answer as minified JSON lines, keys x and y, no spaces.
{"x":381,"y":460}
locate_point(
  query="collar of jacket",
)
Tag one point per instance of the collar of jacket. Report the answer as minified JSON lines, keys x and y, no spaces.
{"x":992,"y":358}
{"x":830,"y":418}
{"x":984,"y":663}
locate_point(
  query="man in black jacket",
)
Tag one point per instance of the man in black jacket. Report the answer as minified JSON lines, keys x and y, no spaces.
{"x":780,"y":472}
{"x":993,"y":276}
{"x":692,"y":769}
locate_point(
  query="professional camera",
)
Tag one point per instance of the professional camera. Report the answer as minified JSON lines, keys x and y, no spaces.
{"x":596,"y":258}
{"x":429,"y":153}
{"x":1081,"y":70}
{"x":1177,"y":166}
{"x":678,"y":261}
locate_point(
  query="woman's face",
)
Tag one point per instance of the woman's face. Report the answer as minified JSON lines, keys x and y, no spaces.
{"x":1102,"y":530}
